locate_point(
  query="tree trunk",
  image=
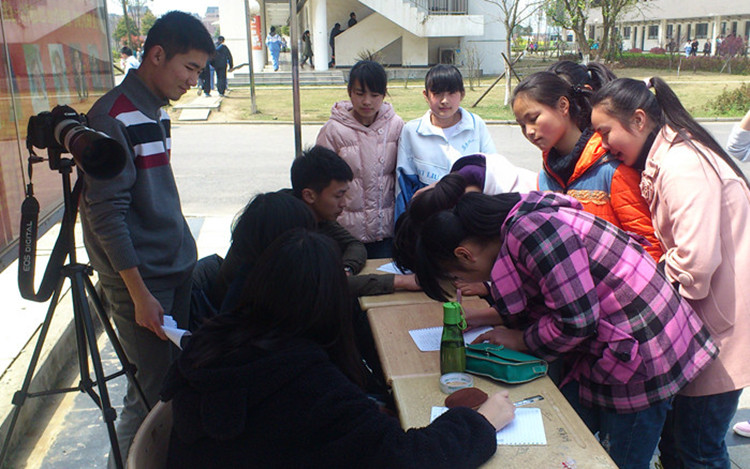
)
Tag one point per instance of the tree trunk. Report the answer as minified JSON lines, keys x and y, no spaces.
{"x":508,"y":73}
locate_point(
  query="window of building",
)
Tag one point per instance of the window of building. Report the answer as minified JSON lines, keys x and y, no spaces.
{"x":653,"y":32}
{"x":670,"y":30}
{"x":690,"y":31}
{"x":626,"y":32}
{"x":701,"y":30}
{"x":747,"y":28}
{"x":734,"y":27}
{"x":723,"y":28}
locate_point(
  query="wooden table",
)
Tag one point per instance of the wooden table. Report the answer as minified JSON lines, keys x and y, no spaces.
{"x":568,"y":440}
{"x":398,"y":353}
{"x":393,"y":299}
{"x":400,"y":297}
{"x":414,"y":375}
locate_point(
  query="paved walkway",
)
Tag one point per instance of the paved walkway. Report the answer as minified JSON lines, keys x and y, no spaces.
{"x":244,"y":160}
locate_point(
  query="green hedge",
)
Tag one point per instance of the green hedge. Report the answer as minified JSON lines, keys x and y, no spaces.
{"x":740,"y":65}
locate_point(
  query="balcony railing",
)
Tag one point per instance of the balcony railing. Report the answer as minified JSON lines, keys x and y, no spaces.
{"x":442,"y":7}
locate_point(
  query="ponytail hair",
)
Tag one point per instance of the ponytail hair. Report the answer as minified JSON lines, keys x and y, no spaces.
{"x":547,"y":88}
{"x":592,"y":75}
{"x":622,"y":97}
{"x":443,"y":196}
{"x":476,"y":216}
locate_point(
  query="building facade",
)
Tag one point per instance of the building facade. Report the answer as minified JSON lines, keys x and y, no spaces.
{"x":671,"y":23}
{"x":408,"y":33}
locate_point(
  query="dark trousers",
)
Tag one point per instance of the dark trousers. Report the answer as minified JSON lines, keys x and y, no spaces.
{"x":630,"y":439}
{"x":695,"y":431}
{"x":221,"y":79}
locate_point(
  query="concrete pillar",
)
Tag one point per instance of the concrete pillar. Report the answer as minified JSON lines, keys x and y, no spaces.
{"x":319,"y":34}
{"x":715,"y":34}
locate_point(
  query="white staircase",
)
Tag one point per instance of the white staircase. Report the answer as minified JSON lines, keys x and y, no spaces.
{"x":419,"y":22}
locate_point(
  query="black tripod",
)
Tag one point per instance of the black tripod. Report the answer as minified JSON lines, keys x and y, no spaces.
{"x":81,"y":286}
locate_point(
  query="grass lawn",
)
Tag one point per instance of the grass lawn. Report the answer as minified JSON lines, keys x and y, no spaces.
{"x":695,"y":90}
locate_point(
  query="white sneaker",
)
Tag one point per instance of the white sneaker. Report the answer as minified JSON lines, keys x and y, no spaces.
{"x":742,"y":428}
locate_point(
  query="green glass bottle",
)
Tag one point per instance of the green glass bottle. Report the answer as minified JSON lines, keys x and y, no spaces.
{"x":452,"y":348}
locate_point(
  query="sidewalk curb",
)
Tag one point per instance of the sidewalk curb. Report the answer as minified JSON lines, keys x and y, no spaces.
{"x":58,"y":354}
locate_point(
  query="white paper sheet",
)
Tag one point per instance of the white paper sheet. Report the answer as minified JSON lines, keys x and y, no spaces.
{"x":172,"y":331}
{"x":391,"y":268}
{"x":428,"y":339}
{"x":527,"y":428}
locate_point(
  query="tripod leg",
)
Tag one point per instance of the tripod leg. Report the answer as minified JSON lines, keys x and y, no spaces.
{"x":128,"y":366}
{"x":81,"y":309}
{"x":20,"y":396}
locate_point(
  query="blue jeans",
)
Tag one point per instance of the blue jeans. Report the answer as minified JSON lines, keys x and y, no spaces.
{"x":382,"y":249}
{"x":630,"y":439}
{"x":696,"y":427}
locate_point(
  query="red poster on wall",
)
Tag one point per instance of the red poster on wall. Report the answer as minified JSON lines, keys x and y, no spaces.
{"x":255,"y":33}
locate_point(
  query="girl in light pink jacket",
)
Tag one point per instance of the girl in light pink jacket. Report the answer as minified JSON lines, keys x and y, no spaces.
{"x":700,"y":208}
{"x":364,"y":131}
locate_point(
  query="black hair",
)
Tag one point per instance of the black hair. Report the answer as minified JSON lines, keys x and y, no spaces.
{"x":126,"y":50}
{"x":444,"y":78}
{"x":441,"y":196}
{"x":220,"y":38}
{"x":593,"y":74}
{"x":178,"y":32}
{"x":547,"y":88}
{"x":622,"y":97}
{"x":352,"y":14}
{"x":370,"y":74}
{"x":262,"y":220}
{"x":476,"y":216}
{"x":316,"y":168}
{"x":273,"y":29}
{"x":269,"y":317}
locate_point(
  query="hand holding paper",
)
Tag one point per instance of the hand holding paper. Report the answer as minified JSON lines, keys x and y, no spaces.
{"x":175,"y":334}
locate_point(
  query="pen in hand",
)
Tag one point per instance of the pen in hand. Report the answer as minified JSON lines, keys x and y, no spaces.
{"x":528,"y":400}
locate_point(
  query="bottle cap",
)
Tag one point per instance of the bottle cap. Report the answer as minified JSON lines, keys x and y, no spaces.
{"x":453,"y":313}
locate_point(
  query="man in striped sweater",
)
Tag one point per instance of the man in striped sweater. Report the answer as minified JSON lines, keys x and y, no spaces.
{"x":134,"y":231}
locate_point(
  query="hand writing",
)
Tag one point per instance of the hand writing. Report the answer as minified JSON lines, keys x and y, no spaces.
{"x":498,"y":410}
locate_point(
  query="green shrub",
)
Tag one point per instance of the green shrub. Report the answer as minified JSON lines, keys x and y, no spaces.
{"x":736,"y":101}
{"x":740,"y":65}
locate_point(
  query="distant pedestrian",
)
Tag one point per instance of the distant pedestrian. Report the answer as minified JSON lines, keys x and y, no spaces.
{"x":694,"y":47}
{"x":127,"y":60}
{"x":222,"y":59}
{"x":332,"y":42}
{"x":352,"y":19}
{"x":307,"y":52}
{"x":688,"y":48}
{"x":273,"y":42}
{"x":707,"y":48}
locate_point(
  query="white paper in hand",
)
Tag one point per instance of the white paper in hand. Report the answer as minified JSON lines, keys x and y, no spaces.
{"x":171,"y":330}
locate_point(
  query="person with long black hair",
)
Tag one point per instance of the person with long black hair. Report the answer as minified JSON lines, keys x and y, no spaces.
{"x":278,"y":381}
{"x":700,"y":207}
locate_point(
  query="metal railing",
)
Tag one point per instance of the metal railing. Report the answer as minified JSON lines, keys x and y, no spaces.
{"x":442,"y":7}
